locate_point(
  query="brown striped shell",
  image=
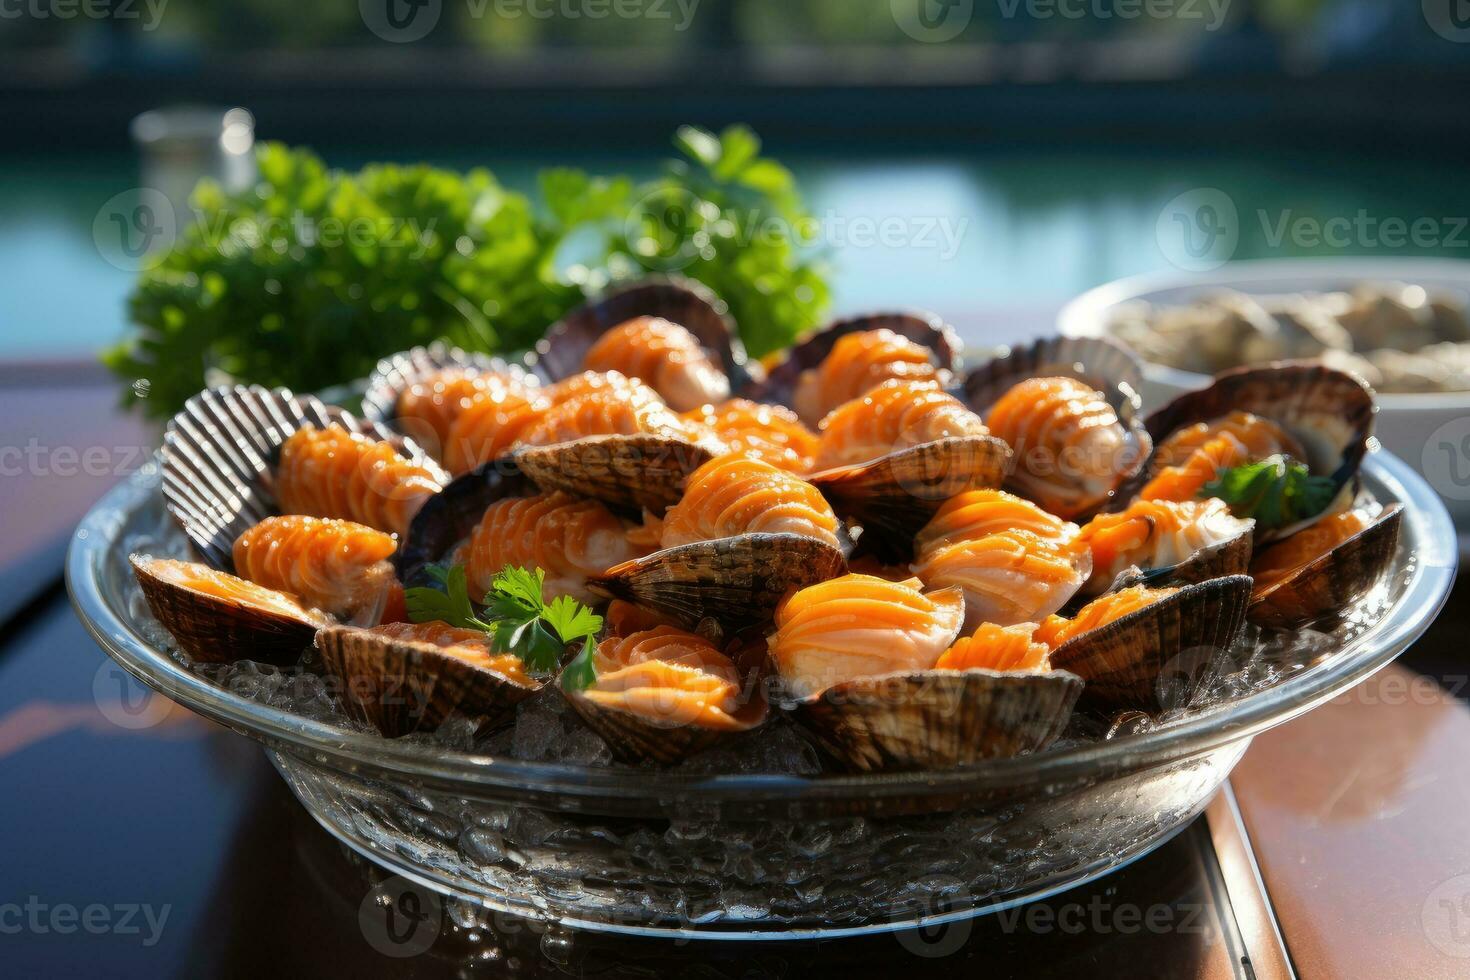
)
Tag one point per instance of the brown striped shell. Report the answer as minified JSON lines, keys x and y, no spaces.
{"x":1068,"y":409}
{"x":691,"y":305}
{"x":923,"y":330}
{"x":663,"y":694}
{"x":1156,"y":656}
{"x":218,"y":618}
{"x":1328,"y":412}
{"x":404,"y":677}
{"x":1328,"y":582}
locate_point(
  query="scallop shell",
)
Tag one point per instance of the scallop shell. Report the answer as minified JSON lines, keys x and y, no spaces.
{"x":734,"y":582}
{"x":1332,"y":581}
{"x":1155,"y":658}
{"x":894,"y":496}
{"x":683,"y":301}
{"x":399,"y":372}
{"x":1232,"y":557}
{"x":937,"y":719}
{"x":926,"y":329}
{"x":217,"y":458}
{"x":1102,"y":364}
{"x":1330,"y":413}
{"x":403,"y":686}
{"x":450,"y":516}
{"x":634,"y":739}
{"x":213,"y":629}
{"x":631,"y":472}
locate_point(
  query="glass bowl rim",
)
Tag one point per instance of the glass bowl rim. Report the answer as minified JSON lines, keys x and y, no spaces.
{"x":1427,"y":536}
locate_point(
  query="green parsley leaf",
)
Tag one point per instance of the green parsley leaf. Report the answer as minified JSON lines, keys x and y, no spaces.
{"x":571,"y":620}
{"x":450,"y":604}
{"x":1276,"y":491}
{"x":581,"y":673}
{"x":529,"y":639}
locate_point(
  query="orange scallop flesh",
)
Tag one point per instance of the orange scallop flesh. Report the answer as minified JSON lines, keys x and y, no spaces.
{"x":491,"y":424}
{"x":471,"y":646}
{"x":665,"y":356}
{"x":739,"y":494}
{"x":668,"y":676}
{"x":330,"y":564}
{"x":222,"y":585}
{"x":623,"y":618}
{"x":861,"y":626}
{"x":857,"y":363}
{"x":1098,"y":613}
{"x":895,"y":415}
{"x":1307,"y":545}
{"x":1007,"y":577}
{"x":1070,"y":446}
{"x":997,"y":648}
{"x":1194,"y":455}
{"x":335,"y":473}
{"x":568,"y":537}
{"x":428,"y":408}
{"x":768,"y":432}
{"x":625,"y":409}
{"x":1153,"y":533}
{"x":978,"y":513}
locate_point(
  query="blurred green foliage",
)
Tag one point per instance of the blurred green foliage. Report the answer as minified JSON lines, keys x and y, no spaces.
{"x":308,"y":278}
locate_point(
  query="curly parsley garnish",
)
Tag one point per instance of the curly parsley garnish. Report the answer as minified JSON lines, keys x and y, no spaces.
{"x":516,"y":616}
{"x":1276,"y":491}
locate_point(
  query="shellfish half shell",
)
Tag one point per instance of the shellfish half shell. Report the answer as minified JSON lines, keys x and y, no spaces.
{"x":450,"y":516}
{"x":690,"y":304}
{"x":218,"y":452}
{"x":1155,"y":658}
{"x":1329,"y":412}
{"x":632,"y":472}
{"x":1102,"y":365}
{"x":937,"y":719}
{"x":735,"y":582}
{"x":400,"y":685}
{"x":1230,"y":557}
{"x":633,"y":738}
{"x":253,"y":623}
{"x":925,"y":329}
{"x":1329,"y":583}
{"x":895,"y":495}
{"x":397,"y":373}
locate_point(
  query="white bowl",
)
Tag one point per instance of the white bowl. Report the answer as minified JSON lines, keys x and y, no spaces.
{"x":1430,"y":431}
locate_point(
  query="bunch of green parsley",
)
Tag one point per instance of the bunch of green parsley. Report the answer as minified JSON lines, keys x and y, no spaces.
{"x":307,"y":278}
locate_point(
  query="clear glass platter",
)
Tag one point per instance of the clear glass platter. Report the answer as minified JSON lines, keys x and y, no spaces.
{"x":754,"y":856}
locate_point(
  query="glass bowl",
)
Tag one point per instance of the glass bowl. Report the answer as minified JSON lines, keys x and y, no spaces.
{"x":744,"y":856}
